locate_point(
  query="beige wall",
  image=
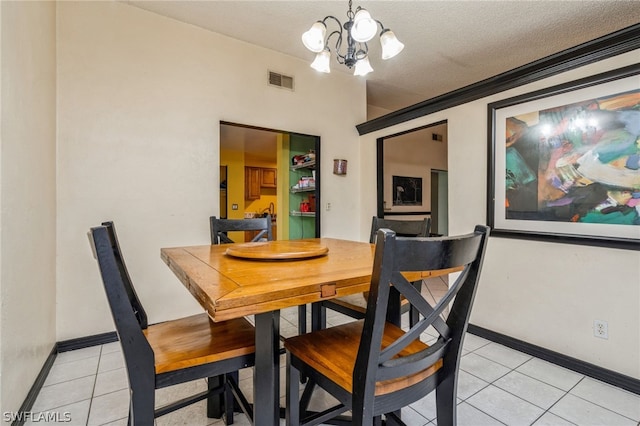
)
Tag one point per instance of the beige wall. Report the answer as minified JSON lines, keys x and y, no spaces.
{"x":27,"y":196}
{"x":413,"y":154}
{"x":547,"y":294}
{"x":140,"y":101}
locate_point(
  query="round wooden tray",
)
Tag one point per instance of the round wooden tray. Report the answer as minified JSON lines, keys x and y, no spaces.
{"x":278,"y":250}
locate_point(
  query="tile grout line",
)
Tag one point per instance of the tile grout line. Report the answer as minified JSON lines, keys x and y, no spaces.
{"x":559,"y":399}
{"x":549,"y":384}
{"x":95,"y":381}
{"x":492,"y":383}
{"x":465,"y":400}
{"x":596,"y":404}
{"x":483,"y":412}
{"x":506,"y":366}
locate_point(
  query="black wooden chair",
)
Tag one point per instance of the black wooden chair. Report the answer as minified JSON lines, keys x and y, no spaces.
{"x":171,"y":352}
{"x":372,"y":366}
{"x":219,"y":235}
{"x":402,"y":228}
{"x":355,"y":306}
{"x":221,"y":227}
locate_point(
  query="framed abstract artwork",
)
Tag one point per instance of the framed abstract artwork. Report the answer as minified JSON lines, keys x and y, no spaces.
{"x":564,"y":162}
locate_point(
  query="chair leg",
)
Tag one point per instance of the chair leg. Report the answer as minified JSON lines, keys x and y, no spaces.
{"x":305,"y":399}
{"x":302,"y":319}
{"x":235,"y":376}
{"x":393,"y":419}
{"x":215,"y":403}
{"x":414,"y":314}
{"x":292,"y":410}
{"x":142,"y":406}
{"x":318,"y":316}
{"x":446,"y":401}
{"x":229,"y":400}
{"x":130,"y":419}
{"x":362,"y":414}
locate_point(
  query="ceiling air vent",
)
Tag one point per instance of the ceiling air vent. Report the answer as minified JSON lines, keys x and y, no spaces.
{"x":280,"y":80}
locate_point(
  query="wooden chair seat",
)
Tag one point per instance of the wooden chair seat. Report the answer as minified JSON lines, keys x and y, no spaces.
{"x":196,"y":340}
{"x":373,"y":367}
{"x":171,"y":352}
{"x":332,"y":352}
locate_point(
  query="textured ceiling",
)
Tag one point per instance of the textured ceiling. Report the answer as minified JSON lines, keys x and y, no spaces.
{"x":448,"y":44}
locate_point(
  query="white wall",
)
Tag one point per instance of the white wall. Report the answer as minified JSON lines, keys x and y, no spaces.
{"x":140,"y":101}
{"x":547,"y":294}
{"x":375,"y":112}
{"x":413,"y":154}
{"x":27,"y":196}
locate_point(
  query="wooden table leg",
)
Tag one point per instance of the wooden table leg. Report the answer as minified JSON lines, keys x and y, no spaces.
{"x":266,"y":377}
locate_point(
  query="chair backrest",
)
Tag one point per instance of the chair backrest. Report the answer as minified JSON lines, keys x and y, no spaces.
{"x":220,"y":228}
{"x":394,"y":255}
{"x":402,"y":228}
{"x":138,"y":310}
{"x":138,"y":355}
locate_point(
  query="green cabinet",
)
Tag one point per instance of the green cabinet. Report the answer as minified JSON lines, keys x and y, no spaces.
{"x":304,"y":190}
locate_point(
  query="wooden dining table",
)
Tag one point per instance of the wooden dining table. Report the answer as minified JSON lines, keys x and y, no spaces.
{"x":237,"y":280}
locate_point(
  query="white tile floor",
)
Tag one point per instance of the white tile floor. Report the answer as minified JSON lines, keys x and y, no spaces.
{"x":497,"y":386}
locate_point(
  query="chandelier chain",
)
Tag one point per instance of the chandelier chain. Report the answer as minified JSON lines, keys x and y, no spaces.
{"x":350,"y":13}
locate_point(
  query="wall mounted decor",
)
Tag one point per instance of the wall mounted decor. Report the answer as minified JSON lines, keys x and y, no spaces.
{"x":407,"y":191}
{"x":339,"y":167}
{"x":564,"y":162}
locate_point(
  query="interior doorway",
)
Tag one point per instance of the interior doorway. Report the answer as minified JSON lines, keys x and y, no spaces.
{"x":439,"y":202}
{"x":223,"y":192}
{"x":261,"y":177}
{"x":412,"y":175}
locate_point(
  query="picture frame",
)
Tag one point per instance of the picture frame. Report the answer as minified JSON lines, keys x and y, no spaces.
{"x":407,"y":191}
{"x":564,"y":162}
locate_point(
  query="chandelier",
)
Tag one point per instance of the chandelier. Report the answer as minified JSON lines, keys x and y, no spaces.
{"x":358,"y":30}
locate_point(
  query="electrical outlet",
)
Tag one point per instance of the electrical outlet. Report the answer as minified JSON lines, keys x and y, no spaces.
{"x":600,"y":329}
{"x":328,"y":206}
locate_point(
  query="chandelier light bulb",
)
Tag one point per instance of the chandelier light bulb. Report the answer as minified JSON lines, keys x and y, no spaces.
{"x":322,"y":61}
{"x":350,"y":40}
{"x":364,"y":26}
{"x":391,"y":46}
{"x":313,"y":39}
{"x":363,"y":67}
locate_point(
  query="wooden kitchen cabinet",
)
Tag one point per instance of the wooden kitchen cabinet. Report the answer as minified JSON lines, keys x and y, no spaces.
{"x":268,"y":178}
{"x":252,"y":183}
{"x":256,"y":178}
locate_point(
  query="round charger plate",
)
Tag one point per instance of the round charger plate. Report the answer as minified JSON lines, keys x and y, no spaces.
{"x":278,"y":250}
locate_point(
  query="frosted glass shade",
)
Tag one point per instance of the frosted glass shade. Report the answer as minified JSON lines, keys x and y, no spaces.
{"x":313,"y":39}
{"x":364,"y":27}
{"x":391,"y":46}
{"x":363,"y":67}
{"x":321,"y":62}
